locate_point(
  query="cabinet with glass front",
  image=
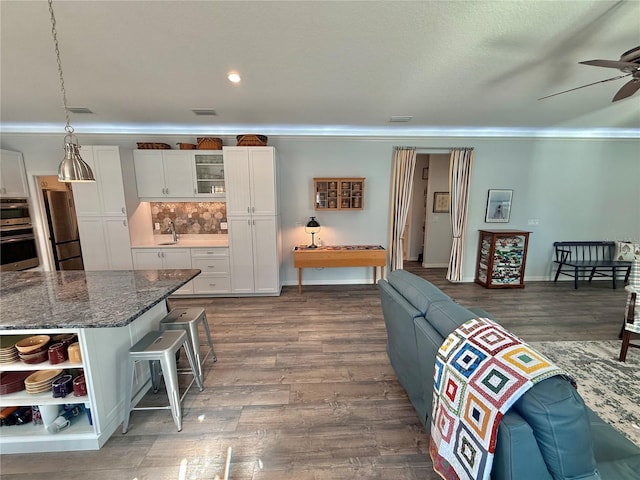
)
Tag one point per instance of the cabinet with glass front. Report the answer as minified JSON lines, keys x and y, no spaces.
{"x":209,"y":173}
{"x":338,"y":193}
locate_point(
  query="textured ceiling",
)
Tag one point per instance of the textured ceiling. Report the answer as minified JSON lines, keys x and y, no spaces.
{"x":313,"y":66}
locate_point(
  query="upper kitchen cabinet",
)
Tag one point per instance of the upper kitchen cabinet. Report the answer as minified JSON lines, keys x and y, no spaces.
{"x":209,"y":173}
{"x":106,"y":196}
{"x":250,"y":177}
{"x":13,"y":178}
{"x":162,"y":174}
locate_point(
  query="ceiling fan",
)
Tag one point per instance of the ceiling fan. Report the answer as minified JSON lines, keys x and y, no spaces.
{"x":629,"y":63}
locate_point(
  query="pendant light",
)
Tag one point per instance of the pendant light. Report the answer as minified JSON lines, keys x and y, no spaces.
{"x":72,"y":168}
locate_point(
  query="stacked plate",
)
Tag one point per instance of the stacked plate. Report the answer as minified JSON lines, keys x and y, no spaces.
{"x":40,"y":381}
{"x":11,"y":382}
{"x":8,"y":351}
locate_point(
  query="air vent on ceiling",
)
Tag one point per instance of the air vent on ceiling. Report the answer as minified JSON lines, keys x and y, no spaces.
{"x":205,"y":112}
{"x":400,"y":118}
{"x":79,"y":110}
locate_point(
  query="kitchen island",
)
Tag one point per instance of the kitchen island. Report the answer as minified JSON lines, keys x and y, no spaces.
{"x":109,"y":311}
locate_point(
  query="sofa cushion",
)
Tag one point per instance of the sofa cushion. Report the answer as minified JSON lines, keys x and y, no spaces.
{"x":417,"y":291}
{"x":446,"y":316}
{"x":558,"y":417}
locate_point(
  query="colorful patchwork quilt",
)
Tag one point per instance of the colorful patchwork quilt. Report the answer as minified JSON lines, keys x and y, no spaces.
{"x":481,"y":371}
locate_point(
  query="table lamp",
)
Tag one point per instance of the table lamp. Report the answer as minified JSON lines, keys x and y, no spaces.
{"x":312,"y":227}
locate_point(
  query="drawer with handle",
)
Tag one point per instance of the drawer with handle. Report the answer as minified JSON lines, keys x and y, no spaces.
{"x":210,"y":283}
{"x":211,"y":265}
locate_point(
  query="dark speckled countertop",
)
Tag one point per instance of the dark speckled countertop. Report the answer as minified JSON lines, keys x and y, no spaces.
{"x":79,"y":299}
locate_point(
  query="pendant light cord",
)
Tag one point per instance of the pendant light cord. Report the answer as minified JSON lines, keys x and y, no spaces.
{"x":68,"y":128}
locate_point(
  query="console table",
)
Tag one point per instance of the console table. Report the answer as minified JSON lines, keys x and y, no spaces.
{"x":340,"y":256}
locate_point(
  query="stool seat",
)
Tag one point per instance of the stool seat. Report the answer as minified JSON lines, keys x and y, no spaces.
{"x":189,"y":319}
{"x":159,"y":349}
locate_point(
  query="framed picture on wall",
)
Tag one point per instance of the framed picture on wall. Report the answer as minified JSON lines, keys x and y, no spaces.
{"x":441,"y":202}
{"x":498,"y":206}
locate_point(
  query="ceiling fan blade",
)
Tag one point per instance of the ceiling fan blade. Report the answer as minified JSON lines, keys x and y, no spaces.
{"x":628,"y":89}
{"x":583,"y":86}
{"x":611,"y":64}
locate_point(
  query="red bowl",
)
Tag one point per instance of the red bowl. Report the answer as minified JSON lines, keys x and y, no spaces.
{"x":32,"y":358}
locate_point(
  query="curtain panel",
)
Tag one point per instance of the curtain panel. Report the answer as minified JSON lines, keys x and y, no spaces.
{"x":460,"y":166}
{"x":404,"y":163}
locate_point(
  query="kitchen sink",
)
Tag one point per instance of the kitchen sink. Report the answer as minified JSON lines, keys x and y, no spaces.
{"x":167,"y":243}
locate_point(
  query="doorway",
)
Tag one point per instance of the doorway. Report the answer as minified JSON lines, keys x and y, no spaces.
{"x":60,"y":223}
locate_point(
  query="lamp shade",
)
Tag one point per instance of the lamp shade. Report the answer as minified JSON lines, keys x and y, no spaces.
{"x":73,"y":168}
{"x":312,"y":226}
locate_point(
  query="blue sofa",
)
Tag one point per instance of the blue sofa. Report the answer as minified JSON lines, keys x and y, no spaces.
{"x":549,"y":433}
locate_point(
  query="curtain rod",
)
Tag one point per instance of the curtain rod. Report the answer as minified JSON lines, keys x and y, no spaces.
{"x":448,"y":149}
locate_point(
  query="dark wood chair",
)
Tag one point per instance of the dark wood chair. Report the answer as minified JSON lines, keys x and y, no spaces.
{"x":632,"y":311}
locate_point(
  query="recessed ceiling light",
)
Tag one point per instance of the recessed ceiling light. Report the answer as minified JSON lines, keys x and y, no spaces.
{"x":400,"y":118}
{"x":234,"y":77}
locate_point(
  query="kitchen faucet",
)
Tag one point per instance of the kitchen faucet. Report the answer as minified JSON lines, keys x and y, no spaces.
{"x":172,"y":228}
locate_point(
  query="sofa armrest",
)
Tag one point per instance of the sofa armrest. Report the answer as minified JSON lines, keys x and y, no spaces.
{"x":517,"y":455}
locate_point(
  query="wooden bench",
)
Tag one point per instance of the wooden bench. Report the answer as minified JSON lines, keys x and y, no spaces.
{"x":577,"y":259}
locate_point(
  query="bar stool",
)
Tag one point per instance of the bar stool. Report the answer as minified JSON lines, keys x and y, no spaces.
{"x":189,"y":319}
{"x":159,"y":349}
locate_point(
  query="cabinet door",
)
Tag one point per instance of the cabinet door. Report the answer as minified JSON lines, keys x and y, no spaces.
{"x":241,"y":254}
{"x":176,"y":258}
{"x":146,"y":258}
{"x":95,"y":254}
{"x":178,"y":173}
{"x":265,"y":255}
{"x":149,"y":173}
{"x":109,"y":179}
{"x":85,"y":194}
{"x":208,"y":170}
{"x":116,"y":233}
{"x":263,"y":181}
{"x":13,"y":178}
{"x":236,"y":172}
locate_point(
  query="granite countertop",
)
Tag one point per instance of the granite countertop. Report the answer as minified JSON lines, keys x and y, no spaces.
{"x":79,"y":299}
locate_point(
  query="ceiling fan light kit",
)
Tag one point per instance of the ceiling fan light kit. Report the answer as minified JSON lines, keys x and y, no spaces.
{"x":629,"y":64}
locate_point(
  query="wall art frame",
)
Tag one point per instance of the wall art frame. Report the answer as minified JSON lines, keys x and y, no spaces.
{"x":498,"y":206}
{"x":440,"y":202}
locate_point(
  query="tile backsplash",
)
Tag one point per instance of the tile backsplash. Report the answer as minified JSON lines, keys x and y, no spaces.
{"x":189,"y":217}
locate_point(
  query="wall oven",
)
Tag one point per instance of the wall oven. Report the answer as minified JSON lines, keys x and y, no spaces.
{"x":18,"y":249}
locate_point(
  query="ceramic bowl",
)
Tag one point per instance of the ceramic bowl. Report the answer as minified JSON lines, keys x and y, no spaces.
{"x":30,"y":345}
{"x":37,"y":357}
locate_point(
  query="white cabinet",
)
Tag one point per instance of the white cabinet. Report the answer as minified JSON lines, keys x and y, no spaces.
{"x":162,"y":174}
{"x":13,"y":178}
{"x":250,"y":177}
{"x":214,"y":264}
{"x":163,"y":258}
{"x":252,"y":215}
{"x":102,"y":208}
{"x":208,"y":169}
{"x":106,"y":195}
{"x":254,"y":255}
{"x":105,"y":243}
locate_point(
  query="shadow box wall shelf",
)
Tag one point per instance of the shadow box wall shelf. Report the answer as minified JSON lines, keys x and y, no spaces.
{"x":338,"y":193}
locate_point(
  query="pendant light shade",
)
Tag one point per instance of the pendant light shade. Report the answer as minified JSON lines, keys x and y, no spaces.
{"x":73,"y":168}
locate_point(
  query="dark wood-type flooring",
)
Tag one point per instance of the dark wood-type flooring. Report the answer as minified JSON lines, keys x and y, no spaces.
{"x":303,"y":388}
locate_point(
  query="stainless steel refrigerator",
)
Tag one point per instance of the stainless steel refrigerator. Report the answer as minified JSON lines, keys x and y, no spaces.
{"x":63,"y":230}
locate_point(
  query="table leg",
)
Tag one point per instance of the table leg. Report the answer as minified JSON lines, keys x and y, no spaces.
{"x":375,"y":274}
{"x":299,"y":281}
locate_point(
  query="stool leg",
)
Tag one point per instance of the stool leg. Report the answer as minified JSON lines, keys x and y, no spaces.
{"x":154,"y":367}
{"x":192,"y":363}
{"x":194,"y":340}
{"x":128,"y":392}
{"x":170,"y":372}
{"x":208,"y":333}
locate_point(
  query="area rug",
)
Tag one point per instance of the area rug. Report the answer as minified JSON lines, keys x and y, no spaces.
{"x":609,"y":387}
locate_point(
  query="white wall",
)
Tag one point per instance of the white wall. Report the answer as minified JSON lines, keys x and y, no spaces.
{"x":578,"y":189}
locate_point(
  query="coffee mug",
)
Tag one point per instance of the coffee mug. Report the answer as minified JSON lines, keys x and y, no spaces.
{"x":79,"y":386}
{"x":57,"y":353}
{"x":49,"y":413}
{"x":62,"y":386}
{"x":74,"y":353}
